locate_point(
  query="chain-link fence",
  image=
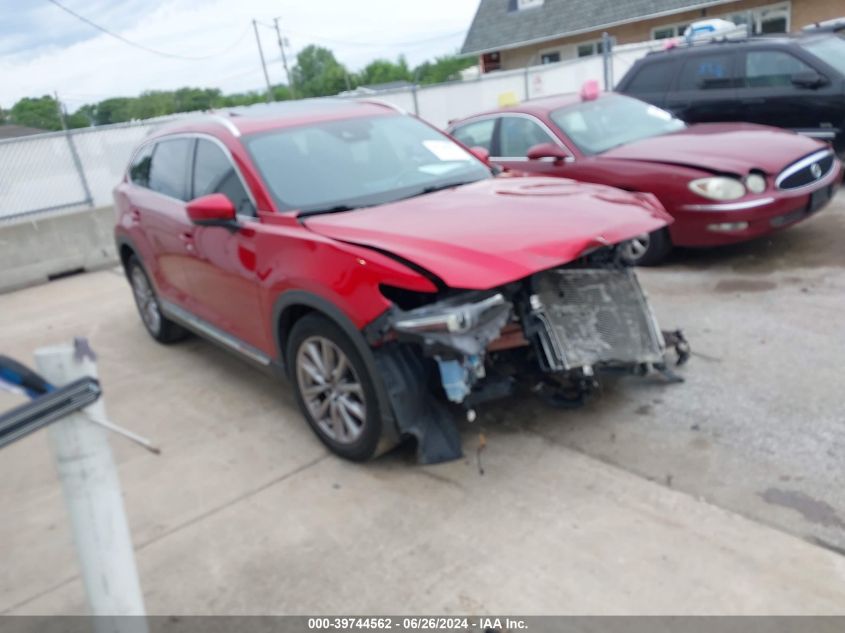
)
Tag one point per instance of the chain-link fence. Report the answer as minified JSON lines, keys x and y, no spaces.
{"x":66,"y":171}
{"x":51,"y":173}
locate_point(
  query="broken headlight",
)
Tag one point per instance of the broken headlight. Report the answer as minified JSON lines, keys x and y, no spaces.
{"x":442,"y":317}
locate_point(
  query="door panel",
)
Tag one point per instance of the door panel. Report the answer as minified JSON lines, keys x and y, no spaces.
{"x":221,"y":270}
{"x":161,"y":215}
{"x":769,"y":97}
{"x":705,"y":89}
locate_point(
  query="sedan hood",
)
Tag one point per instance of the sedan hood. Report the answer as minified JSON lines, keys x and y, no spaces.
{"x":722,"y":147}
{"x":495,"y":231}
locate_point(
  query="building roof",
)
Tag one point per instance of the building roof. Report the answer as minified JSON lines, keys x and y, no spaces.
{"x":498,"y":25}
{"x":10,"y":130}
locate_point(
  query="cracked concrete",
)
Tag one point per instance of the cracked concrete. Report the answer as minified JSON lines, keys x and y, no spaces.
{"x":653,"y":499}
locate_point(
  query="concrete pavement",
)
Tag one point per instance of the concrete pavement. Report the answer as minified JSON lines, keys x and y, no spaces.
{"x":695,"y":498}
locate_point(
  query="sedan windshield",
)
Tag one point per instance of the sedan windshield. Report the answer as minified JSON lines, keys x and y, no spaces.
{"x":830,"y":50}
{"x":345,"y":164}
{"x":612,"y":120}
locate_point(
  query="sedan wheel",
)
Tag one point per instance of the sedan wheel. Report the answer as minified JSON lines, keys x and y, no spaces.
{"x":331,"y":389}
{"x":648,"y":249}
{"x":634,"y":249}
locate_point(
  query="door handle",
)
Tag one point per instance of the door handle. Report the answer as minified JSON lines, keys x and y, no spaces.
{"x":188,"y":241}
{"x":752,"y":101}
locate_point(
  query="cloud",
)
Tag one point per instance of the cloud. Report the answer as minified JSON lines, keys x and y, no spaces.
{"x":46,"y":49}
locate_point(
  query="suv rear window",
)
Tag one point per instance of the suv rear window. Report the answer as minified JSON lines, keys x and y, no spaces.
{"x":706,"y":72}
{"x":651,"y":78}
{"x":139,"y":170}
{"x":169,"y":167}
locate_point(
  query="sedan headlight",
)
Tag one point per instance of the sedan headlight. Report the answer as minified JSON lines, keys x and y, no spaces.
{"x":718,"y":188}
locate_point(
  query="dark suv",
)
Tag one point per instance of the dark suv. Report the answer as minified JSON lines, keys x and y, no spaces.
{"x":790,"y":82}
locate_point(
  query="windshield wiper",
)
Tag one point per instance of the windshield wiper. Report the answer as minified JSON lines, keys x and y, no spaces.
{"x":433,"y":188}
{"x":340,"y":208}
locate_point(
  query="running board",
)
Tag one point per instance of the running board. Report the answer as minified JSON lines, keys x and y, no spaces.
{"x":193,"y":322}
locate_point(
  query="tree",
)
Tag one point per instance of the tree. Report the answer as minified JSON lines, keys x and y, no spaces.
{"x":318,"y":74}
{"x":153,"y":103}
{"x":446,"y":68}
{"x":41,"y":113}
{"x":382,"y":71}
{"x":115,"y":110}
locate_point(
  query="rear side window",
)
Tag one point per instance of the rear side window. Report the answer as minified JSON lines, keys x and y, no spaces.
{"x":215,"y":173}
{"x":764,"y":69}
{"x":139,"y":170}
{"x":170,"y":166}
{"x":651,"y":78}
{"x":476,"y":134}
{"x":707,"y":72}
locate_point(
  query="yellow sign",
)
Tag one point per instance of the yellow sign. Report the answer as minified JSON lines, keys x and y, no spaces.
{"x":508,"y":99}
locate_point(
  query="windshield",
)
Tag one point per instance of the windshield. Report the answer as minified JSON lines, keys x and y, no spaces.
{"x":612,"y":120}
{"x":350,"y":163}
{"x":830,"y":50}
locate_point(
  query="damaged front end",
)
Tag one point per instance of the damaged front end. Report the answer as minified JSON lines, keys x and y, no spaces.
{"x":553,"y":331}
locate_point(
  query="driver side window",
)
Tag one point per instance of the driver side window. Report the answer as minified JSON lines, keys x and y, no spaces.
{"x":519,"y":134}
{"x":215,"y":173}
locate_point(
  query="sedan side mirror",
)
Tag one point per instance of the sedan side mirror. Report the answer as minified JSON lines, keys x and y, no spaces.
{"x":809,"y":79}
{"x":481,"y":153}
{"x":215,"y":209}
{"x":548,"y":150}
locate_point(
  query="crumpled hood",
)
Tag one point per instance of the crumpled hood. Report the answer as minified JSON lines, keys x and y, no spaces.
{"x":722,"y":147}
{"x":495,"y":231}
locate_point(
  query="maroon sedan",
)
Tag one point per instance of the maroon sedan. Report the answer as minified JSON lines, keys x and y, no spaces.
{"x":723,"y":183}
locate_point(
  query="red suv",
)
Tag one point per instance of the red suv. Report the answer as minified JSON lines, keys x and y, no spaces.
{"x":381,"y":267}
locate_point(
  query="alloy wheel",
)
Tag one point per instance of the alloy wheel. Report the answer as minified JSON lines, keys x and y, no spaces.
{"x":146,"y":300}
{"x":331,"y":389}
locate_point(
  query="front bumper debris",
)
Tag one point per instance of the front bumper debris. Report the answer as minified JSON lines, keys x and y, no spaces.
{"x":556,"y":330}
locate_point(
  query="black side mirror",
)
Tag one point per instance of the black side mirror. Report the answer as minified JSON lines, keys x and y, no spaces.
{"x":808,"y":79}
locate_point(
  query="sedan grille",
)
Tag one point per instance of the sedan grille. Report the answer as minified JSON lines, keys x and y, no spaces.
{"x":806,"y":171}
{"x":594,"y":316}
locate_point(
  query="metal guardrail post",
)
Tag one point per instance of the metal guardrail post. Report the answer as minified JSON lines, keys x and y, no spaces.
{"x":77,"y":162}
{"x":92,"y":493}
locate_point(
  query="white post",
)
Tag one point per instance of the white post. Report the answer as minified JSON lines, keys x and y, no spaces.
{"x":92,"y":493}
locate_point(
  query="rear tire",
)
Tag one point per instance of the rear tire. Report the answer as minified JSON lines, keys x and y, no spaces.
{"x":649,"y":249}
{"x":333,"y":389}
{"x":159,"y":326}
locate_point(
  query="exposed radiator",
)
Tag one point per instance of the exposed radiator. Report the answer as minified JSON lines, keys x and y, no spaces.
{"x":594,"y":316}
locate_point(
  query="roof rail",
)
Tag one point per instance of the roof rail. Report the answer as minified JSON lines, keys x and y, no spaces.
{"x":382,"y":102}
{"x":222,"y":120}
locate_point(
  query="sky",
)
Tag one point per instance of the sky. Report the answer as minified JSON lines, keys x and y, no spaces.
{"x":45,"y":50}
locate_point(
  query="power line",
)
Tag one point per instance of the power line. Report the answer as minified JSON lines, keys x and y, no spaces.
{"x":142,"y":46}
{"x":371,"y":44}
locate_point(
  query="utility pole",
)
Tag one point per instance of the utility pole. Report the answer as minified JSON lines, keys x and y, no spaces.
{"x":263,"y":64}
{"x":284,"y":58}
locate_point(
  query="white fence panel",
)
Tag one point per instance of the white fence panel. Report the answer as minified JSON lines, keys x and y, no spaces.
{"x":39,"y":174}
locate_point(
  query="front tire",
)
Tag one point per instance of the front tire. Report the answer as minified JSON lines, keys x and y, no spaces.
{"x":333,"y":388}
{"x":159,"y":326}
{"x":649,"y":249}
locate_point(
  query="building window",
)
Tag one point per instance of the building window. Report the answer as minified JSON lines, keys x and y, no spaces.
{"x":521,"y":5}
{"x":590,"y":48}
{"x":669,"y":31}
{"x":552,"y":57}
{"x":490,"y":62}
